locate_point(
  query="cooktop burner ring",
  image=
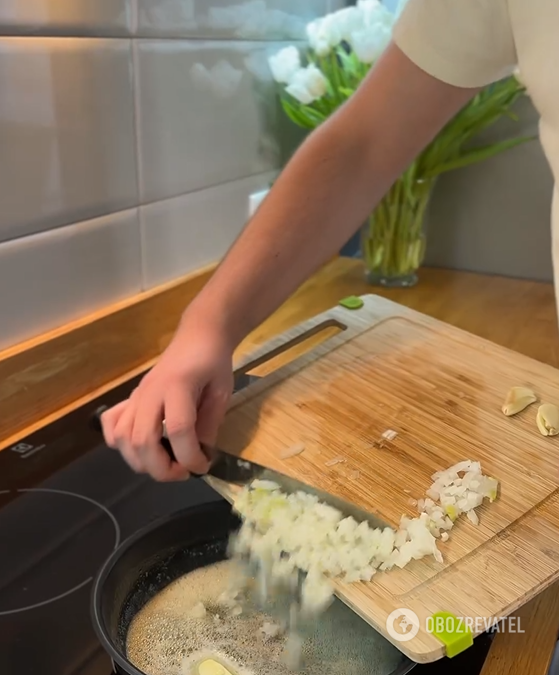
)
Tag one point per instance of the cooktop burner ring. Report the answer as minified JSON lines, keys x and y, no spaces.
{"x":83,"y":583}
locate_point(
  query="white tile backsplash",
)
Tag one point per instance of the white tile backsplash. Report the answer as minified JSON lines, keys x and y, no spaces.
{"x":208,"y":114}
{"x":247,"y":20}
{"x":106,"y":105}
{"x":54,"y":277}
{"x":184,"y":233}
{"x":169,"y":105}
{"x":66,"y":17}
{"x":66,"y":132}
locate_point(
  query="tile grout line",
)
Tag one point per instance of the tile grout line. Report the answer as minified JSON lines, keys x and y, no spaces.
{"x":139,"y":154}
{"x":270,"y":172}
{"x":136,"y":113}
{"x":134,"y":17}
{"x":149,"y":38}
{"x":136,"y":207}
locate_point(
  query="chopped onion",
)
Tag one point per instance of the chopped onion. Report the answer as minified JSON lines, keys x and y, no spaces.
{"x":271,"y":630}
{"x":472,"y":515}
{"x":228,"y":599}
{"x":284,"y":533}
{"x":460,"y":489}
{"x":198,"y":611}
{"x":293,"y":651}
{"x":336,"y":460}
{"x":389,"y":435}
{"x":264,"y":485}
{"x":292,"y":451}
{"x":317,"y":594}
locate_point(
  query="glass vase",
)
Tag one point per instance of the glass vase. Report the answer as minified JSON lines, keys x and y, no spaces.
{"x":393,"y":239}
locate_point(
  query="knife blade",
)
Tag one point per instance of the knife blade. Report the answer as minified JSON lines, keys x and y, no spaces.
{"x":242,"y":472}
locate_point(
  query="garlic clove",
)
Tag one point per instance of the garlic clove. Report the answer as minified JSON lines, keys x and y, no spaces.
{"x":517,"y":400}
{"x":547,"y":419}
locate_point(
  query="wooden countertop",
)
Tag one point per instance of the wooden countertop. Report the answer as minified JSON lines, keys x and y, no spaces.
{"x":515,"y":313}
{"x":123,"y":340}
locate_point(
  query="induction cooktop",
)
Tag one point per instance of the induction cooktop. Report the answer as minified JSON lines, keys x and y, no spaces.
{"x":66,"y":502}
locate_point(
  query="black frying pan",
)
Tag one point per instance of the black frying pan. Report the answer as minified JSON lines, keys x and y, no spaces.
{"x":148,"y":562}
{"x":152,"y":559}
{"x":159,"y":554}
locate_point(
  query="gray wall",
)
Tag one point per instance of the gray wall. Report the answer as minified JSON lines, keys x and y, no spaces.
{"x":131,"y":134}
{"x":495,"y":217}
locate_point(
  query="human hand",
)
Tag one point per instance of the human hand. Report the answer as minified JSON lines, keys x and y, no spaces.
{"x":189,"y":388}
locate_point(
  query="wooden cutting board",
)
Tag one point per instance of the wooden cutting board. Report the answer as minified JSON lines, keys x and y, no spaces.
{"x":441,"y":389}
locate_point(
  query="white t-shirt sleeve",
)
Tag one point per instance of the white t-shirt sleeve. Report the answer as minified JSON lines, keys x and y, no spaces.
{"x":466,"y":43}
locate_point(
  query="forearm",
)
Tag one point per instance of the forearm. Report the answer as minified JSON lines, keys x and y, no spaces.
{"x":325,"y":193}
{"x":317,"y":203}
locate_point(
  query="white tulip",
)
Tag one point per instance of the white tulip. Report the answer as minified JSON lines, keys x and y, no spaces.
{"x":368,"y":44}
{"x":324,"y":34}
{"x":307,"y":85}
{"x":347,"y":21}
{"x":313,"y":34}
{"x":285,"y":64}
{"x":300,"y":92}
{"x":317,"y":41}
{"x":316,"y":82}
{"x":374,"y":12}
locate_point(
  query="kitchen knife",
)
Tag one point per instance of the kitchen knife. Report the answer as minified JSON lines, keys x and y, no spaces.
{"x":224,"y":466}
{"x":238,"y":471}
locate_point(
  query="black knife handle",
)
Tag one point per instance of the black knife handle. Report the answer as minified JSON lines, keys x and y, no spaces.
{"x":165,"y":442}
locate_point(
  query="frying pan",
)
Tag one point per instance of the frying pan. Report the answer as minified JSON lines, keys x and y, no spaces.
{"x":153,"y":558}
{"x":148,"y":562}
{"x":159,"y":554}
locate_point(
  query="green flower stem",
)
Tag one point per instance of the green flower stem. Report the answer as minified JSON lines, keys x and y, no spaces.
{"x":336,"y":77}
{"x":393,"y":239}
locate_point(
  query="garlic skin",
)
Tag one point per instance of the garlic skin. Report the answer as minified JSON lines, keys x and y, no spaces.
{"x":517,"y":400}
{"x":547,"y":419}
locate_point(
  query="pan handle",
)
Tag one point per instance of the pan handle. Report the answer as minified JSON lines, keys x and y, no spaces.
{"x":96,"y":425}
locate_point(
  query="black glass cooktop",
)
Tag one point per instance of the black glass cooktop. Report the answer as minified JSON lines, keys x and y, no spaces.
{"x":66,"y":501}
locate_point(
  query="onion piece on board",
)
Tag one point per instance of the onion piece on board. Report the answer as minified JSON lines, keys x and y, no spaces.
{"x":292,"y":451}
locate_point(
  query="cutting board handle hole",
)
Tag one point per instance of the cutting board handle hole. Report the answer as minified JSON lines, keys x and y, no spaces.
{"x":295,"y":347}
